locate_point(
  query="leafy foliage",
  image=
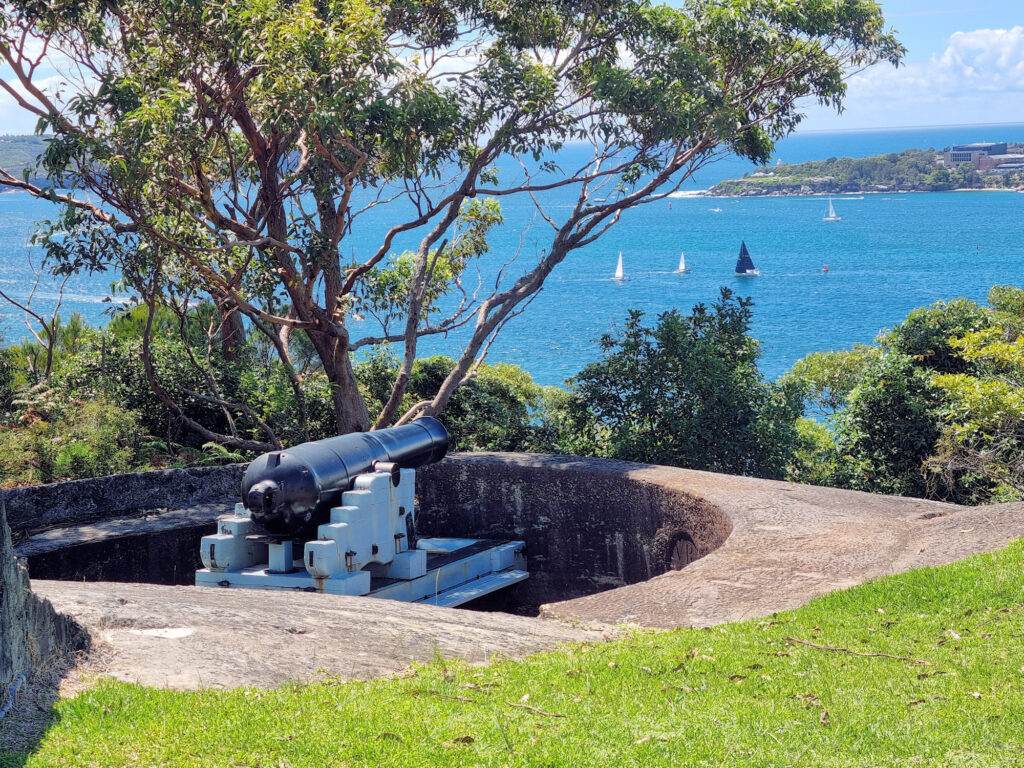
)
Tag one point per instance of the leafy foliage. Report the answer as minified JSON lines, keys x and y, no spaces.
{"x":826,"y":379}
{"x":888,"y":429}
{"x":815,"y":456}
{"x":493,"y":411}
{"x":686,"y":392}
{"x":937,"y":411}
{"x":74,"y":441}
{"x":927,"y":334}
{"x":236,"y":146}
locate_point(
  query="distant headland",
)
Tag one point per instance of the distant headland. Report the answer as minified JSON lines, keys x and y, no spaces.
{"x":962,"y":166}
{"x":19,"y":153}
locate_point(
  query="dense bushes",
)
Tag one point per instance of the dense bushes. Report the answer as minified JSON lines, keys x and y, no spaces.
{"x":92,"y":410}
{"x":686,"y":392}
{"x":496,"y":410}
{"x":887,"y":429}
{"x":73,"y":441}
{"x":935,"y":410}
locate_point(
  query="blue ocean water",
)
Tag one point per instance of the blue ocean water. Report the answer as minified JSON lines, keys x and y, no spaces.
{"x":888,"y":254}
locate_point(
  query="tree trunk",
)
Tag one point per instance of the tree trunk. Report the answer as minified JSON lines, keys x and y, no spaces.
{"x":350,"y":413}
{"x":232,"y":331}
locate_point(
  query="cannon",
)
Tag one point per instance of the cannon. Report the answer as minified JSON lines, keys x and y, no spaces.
{"x":337,"y":516}
{"x":291,"y":492}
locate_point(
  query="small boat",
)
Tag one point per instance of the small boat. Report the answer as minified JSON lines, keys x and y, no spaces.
{"x":831,"y":213}
{"x":824,"y":268}
{"x":682,"y":269}
{"x":744,"y":264}
{"x":619,"y":274}
{"x":716,"y":210}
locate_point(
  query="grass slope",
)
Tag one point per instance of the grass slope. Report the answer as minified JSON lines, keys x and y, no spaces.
{"x":746,"y":694}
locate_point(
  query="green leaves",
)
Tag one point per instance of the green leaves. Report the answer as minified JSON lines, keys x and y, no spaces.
{"x":385,"y":292}
{"x":238,"y":143}
{"x":686,"y":392}
{"x":937,"y":410}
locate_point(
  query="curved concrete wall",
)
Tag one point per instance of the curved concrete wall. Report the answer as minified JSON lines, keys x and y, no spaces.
{"x":589,"y":524}
{"x":142,"y":526}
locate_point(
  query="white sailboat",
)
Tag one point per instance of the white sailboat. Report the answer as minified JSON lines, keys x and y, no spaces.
{"x":831,"y":213}
{"x":619,"y":274}
{"x":682,"y":269}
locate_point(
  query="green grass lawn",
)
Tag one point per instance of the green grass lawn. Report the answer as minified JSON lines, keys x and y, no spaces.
{"x":749,"y":694}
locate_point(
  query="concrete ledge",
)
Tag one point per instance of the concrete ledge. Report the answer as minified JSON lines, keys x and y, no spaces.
{"x":791,"y":543}
{"x":193,"y":637}
{"x":157,"y":548}
{"x":678,"y":547}
{"x":44,"y":506}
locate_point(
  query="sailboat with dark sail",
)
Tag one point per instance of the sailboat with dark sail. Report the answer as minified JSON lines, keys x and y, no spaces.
{"x":744,"y":264}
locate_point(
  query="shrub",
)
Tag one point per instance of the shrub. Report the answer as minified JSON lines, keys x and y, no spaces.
{"x":926,"y":333}
{"x":888,"y":429}
{"x":491,"y":412}
{"x":87,"y":440}
{"x":686,"y":392}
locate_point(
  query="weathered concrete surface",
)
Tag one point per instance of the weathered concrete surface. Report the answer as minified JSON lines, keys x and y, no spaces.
{"x":589,"y":524}
{"x":187,"y":637}
{"x":80,"y":501}
{"x":764,"y":546}
{"x":161,"y":547}
{"x":789,"y":544}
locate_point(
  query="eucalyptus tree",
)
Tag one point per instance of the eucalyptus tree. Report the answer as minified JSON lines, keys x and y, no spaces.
{"x":235,"y":148}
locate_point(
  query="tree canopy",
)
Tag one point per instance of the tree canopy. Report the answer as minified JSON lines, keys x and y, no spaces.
{"x":686,"y":392}
{"x":230,"y":150}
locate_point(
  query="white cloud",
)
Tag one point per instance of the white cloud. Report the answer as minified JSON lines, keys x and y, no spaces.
{"x":14,"y":119}
{"x":982,"y":61}
{"x":978,"y":78}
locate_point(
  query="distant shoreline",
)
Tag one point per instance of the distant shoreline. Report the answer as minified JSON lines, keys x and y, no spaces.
{"x":837,"y":195}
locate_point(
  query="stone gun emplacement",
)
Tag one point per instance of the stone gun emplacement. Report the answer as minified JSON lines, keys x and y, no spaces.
{"x":348,"y":502}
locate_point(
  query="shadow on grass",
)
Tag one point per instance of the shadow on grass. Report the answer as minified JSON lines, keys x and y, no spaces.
{"x":33,"y":712}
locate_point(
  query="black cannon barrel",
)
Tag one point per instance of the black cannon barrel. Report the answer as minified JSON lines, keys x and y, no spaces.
{"x":292,"y":491}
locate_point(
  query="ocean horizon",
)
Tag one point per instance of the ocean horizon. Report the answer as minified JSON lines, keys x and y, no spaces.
{"x":888,"y":254}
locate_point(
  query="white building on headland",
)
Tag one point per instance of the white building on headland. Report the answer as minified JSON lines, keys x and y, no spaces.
{"x":983,"y":156}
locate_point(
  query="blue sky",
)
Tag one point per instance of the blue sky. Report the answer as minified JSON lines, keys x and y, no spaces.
{"x":964,"y":64}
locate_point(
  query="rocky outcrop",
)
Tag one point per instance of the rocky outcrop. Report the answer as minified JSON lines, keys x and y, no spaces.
{"x":196,"y":637}
{"x":32,"y":634}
